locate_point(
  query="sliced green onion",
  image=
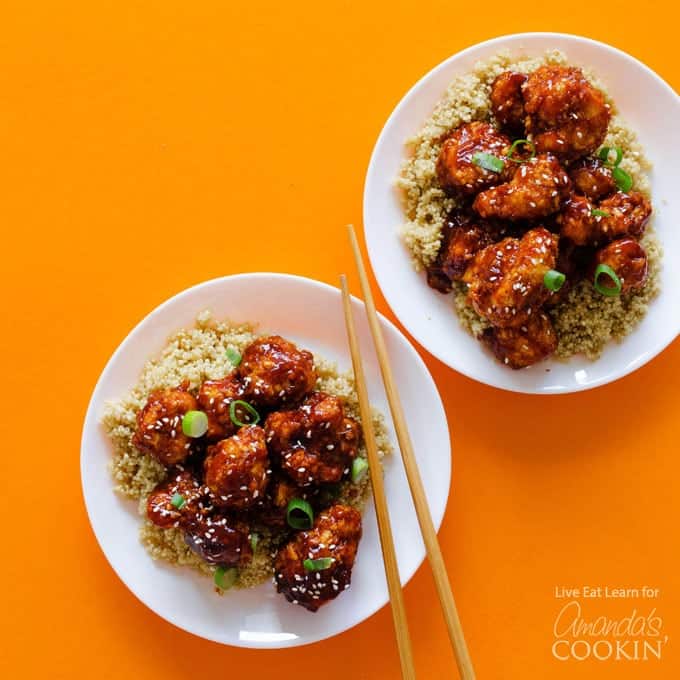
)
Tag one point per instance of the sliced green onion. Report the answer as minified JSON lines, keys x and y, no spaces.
{"x":488,"y":161}
{"x":609,"y":291}
{"x":554,"y":280}
{"x":359,"y":467}
{"x":244,"y":405}
{"x":194,"y":423}
{"x":225,"y":577}
{"x":254,"y":540}
{"x":318,"y":564}
{"x":299,"y":514}
{"x":599,"y":213}
{"x":605,"y":151}
{"x":623,"y":180}
{"x":177,"y":501}
{"x":234,"y":356}
{"x":515,"y":144}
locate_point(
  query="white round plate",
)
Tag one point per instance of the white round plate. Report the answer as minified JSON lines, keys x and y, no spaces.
{"x":310,"y":314}
{"x":648,"y":104}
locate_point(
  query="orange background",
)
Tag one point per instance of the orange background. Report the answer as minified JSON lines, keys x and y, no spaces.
{"x":149,"y":146}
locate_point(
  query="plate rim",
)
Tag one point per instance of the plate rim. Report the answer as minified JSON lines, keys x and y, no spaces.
{"x":91,"y":421}
{"x":369,"y":180}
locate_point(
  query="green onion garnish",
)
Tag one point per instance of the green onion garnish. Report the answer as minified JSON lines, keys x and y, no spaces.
{"x":554,"y":280}
{"x":488,"y":161}
{"x":194,"y":423}
{"x":234,"y":356}
{"x":623,"y":180}
{"x":299,"y":514}
{"x":605,"y":152}
{"x":515,"y":144}
{"x":609,"y":291}
{"x":177,"y":501}
{"x":318,"y":564}
{"x":254,"y":540}
{"x":359,"y":467}
{"x":244,"y":405}
{"x":599,"y":213}
{"x":225,"y":577}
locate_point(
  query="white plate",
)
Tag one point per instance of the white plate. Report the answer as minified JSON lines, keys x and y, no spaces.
{"x":648,"y":104}
{"x":309,"y":313}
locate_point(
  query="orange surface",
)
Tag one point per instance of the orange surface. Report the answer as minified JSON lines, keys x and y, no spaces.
{"x":149,"y":146}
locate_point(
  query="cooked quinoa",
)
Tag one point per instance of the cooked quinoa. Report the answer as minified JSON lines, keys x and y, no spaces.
{"x":586,"y":321}
{"x":197,"y":354}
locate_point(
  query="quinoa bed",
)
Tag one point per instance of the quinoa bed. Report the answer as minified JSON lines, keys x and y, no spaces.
{"x":196,"y":354}
{"x":586,"y":321}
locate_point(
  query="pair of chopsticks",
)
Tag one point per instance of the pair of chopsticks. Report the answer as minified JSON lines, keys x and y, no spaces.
{"x":427,"y":529}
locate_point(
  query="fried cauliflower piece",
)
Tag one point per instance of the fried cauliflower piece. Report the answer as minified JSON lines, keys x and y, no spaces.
{"x":220,"y":539}
{"x":273,"y":370}
{"x":505,"y":280}
{"x":577,"y":222}
{"x":592,"y":178}
{"x":628,"y":213}
{"x":507,"y":102}
{"x":214,"y":398}
{"x":335,"y":536}
{"x":628,"y":259}
{"x":237,"y":469}
{"x":616,"y":216}
{"x":536,"y":190}
{"x":456,"y":169}
{"x":316,"y":443}
{"x":159,"y":507}
{"x":566,"y":115}
{"x":463,"y":236}
{"x":159,"y":425}
{"x":209,"y":533}
{"x":524,"y":345}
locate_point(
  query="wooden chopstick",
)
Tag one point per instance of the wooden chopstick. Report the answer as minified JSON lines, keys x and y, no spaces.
{"x":427,"y":529}
{"x":384,"y":527}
